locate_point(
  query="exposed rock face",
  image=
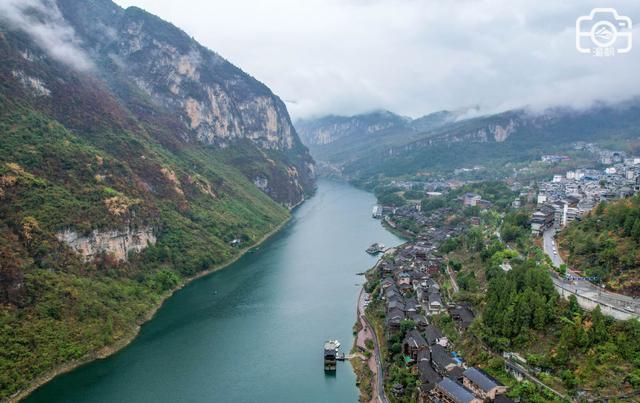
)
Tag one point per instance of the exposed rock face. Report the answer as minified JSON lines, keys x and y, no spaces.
{"x":501,"y":133}
{"x":212,"y":101}
{"x":329,"y":129}
{"x":116,"y":243}
{"x":33,"y":85}
{"x":215,"y":100}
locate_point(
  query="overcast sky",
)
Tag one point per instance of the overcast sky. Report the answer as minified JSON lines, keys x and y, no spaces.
{"x":411,"y":56}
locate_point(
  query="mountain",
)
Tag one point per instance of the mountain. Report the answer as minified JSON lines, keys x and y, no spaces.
{"x":444,"y":141}
{"x":131,"y":159}
{"x":332,"y":128}
{"x":339,"y":139}
{"x":329,"y":129}
{"x":155,"y":71}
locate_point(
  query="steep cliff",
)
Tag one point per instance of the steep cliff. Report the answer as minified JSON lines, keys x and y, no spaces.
{"x":156,"y":71}
{"x":130,"y":159}
{"x":117,"y":243}
{"x":329,"y":129}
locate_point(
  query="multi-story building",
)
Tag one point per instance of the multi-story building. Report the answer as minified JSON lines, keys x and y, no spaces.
{"x":481,"y":384}
{"x":448,"y":391}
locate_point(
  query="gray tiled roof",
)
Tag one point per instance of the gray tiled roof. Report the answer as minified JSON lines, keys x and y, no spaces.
{"x":432,"y":334}
{"x":427,"y":373}
{"x":457,"y":392}
{"x":483,"y":381}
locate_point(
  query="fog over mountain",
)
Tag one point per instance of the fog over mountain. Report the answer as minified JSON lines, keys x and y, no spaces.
{"x":411,"y":57}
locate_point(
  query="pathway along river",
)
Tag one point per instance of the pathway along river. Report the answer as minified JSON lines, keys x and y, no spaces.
{"x":254,"y":331}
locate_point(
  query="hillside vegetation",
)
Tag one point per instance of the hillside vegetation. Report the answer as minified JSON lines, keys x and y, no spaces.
{"x":577,"y":352}
{"x":606,"y":244}
{"x":94,"y":154}
{"x":495,"y":142}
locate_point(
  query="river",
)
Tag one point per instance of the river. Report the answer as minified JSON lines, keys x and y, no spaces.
{"x":254,"y":331}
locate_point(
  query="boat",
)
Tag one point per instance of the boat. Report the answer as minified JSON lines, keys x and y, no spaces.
{"x":375,"y":248}
{"x":331,"y":355}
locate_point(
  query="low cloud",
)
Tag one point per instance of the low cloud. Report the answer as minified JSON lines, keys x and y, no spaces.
{"x":43,"y":22}
{"x":411,"y":56}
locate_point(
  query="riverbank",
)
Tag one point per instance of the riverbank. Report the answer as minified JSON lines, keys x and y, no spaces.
{"x":369,"y":373}
{"x":404,"y":235}
{"x":127,"y":339}
{"x":292,"y":293}
{"x":362,"y":358}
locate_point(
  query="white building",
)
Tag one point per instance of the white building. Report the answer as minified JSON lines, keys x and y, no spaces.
{"x":542,"y":198}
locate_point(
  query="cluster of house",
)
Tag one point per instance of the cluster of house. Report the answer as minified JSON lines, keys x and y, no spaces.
{"x":410,"y":292}
{"x":476,"y":168}
{"x":431,"y":231}
{"x":472,"y":200}
{"x":428,"y":186}
{"x":553,"y":158}
{"x":605,"y":157}
{"x":443,"y":375}
{"x":569,"y":197}
{"x":407,"y":286}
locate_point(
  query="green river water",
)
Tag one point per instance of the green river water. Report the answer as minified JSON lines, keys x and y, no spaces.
{"x":254,"y":331}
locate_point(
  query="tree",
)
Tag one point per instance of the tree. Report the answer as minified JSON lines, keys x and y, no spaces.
{"x":598,"y":331}
{"x":635,"y":231}
{"x":574,"y":307}
{"x":562,"y":269}
{"x":474,"y":239}
{"x":406,"y":325}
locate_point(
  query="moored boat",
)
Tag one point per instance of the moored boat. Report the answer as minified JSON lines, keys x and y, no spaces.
{"x":331,"y":355}
{"x":375,"y":249}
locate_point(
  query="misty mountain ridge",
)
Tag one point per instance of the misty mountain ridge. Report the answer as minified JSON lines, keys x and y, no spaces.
{"x":443,"y":141}
{"x":327,"y":129}
{"x":154,"y":69}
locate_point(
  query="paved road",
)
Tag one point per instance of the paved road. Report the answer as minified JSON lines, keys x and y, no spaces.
{"x":586,"y":288}
{"x":379,"y":372}
{"x":454,"y":283}
{"x":549,"y":245}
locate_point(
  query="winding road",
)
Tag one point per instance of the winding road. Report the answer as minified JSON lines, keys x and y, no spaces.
{"x":382,"y":397}
{"x":623,"y":304}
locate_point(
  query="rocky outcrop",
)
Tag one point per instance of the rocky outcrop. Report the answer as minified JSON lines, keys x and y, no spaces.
{"x":330,"y":129}
{"x":116,"y":243}
{"x":212,"y":101}
{"x":33,"y":85}
{"x":502,"y":133}
{"x":216,"y":101}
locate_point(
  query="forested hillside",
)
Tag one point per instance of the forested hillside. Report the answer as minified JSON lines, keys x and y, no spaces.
{"x":606,"y":244}
{"x":134,"y":161}
{"x":578,"y":352}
